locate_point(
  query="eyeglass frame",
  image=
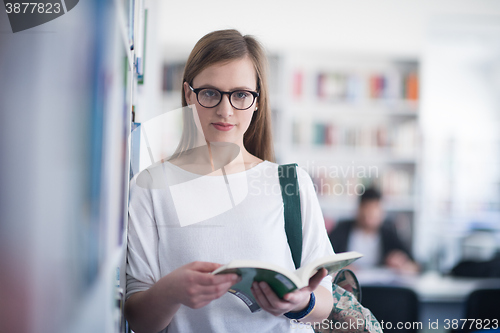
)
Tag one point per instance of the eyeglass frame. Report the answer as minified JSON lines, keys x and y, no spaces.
{"x":222,"y":93}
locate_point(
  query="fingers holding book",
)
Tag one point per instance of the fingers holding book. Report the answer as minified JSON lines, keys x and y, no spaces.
{"x":195,"y":286}
{"x":295,"y":301}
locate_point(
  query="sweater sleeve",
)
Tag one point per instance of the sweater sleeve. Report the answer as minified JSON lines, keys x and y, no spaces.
{"x":316,"y":243}
{"x":142,"y":248}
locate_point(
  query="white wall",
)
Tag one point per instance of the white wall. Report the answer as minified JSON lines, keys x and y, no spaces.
{"x":392,"y":27}
{"x":460,"y":121}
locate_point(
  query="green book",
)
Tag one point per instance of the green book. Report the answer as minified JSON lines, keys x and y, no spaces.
{"x":281,"y":280}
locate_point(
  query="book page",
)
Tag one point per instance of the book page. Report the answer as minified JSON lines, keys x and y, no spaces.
{"x":332,"y":264}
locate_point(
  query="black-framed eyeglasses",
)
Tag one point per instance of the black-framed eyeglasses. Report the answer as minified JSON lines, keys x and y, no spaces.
{"x":211,"y":97}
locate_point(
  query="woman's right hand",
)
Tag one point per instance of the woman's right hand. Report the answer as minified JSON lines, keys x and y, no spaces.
{"x":194,"y":286}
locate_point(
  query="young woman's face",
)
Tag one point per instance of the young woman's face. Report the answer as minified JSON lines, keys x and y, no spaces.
{"x":224,"y":123}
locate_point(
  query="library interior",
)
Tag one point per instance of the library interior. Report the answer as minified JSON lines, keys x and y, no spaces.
{"x":392,"y":108}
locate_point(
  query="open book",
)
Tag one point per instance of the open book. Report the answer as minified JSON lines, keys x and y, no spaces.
{"x":280,"y":279}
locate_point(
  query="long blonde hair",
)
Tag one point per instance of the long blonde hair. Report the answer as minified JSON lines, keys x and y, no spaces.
{"x":223,"y":46}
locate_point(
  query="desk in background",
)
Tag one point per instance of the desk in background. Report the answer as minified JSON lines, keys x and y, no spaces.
{"x":440,"y":297}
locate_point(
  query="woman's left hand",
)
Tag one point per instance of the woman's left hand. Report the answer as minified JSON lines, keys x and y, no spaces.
{"x":295,"y":301}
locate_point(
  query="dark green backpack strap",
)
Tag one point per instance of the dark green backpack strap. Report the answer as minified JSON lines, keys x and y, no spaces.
{"x":291,"y":203}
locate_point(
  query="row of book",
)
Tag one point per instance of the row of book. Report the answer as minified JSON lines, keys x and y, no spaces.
{"x":357,"y":87}
{"x":394,"y":183}
{"x":400,"y":137}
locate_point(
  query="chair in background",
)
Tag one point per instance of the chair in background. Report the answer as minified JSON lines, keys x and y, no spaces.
{"x":483,"y":304}
{"x":392,"y":305}
{"x":470,"y":268}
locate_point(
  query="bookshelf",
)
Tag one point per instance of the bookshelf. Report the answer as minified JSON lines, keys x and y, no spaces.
{"x":158,"y":125}
{"x":351,"y":122}
{"x":69,"y":128}
{"x":119,"y":74}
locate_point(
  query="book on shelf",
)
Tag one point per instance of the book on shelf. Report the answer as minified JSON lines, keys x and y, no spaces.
{"x":330,"y":135}
{"x":412,"y":86}
{"x":298,"y":78}
{"x":281,"y":280}
{"x":319,"y":133}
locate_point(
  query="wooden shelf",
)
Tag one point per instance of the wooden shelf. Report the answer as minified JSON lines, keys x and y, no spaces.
{"x":328,"y":154}
{"x":344,"y":203}
{"x":370,"y":108}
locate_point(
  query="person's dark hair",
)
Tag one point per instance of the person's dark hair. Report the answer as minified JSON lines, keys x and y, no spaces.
{"x":222,"y":46}
{"x":370,"y":194}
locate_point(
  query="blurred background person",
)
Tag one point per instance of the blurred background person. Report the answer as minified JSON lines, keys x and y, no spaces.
{"x":377,"y":239}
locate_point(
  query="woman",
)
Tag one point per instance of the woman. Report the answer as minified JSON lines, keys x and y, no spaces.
{"x":220,"y":204}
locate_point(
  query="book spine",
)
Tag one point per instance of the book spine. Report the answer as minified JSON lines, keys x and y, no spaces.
{"x":248,"y":299}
